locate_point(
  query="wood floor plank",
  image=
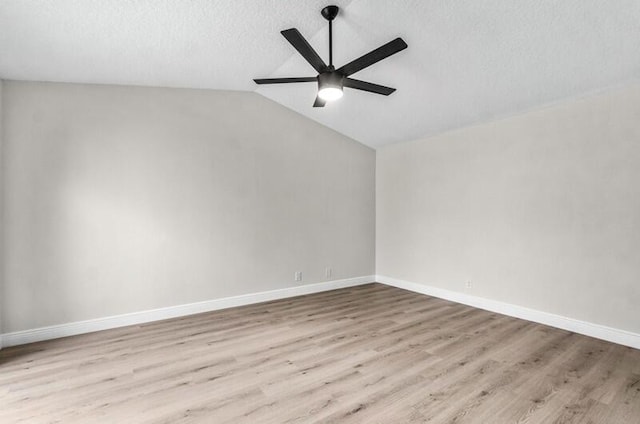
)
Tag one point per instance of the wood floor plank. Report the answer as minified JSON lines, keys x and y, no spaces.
{"x":367,"y":354}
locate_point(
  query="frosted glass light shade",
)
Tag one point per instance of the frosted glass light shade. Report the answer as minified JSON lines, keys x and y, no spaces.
{"x":330,"y":93}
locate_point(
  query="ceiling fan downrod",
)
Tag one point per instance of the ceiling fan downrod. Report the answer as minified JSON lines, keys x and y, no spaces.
{"x":330,"y":13}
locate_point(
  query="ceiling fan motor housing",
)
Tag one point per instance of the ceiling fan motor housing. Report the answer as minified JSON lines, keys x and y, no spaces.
{"x":330,"y":79}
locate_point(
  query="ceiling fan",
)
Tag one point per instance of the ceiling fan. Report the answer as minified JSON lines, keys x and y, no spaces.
{"x":331,"y":81}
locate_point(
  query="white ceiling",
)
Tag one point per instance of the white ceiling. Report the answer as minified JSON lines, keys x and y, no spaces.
{"x":468,"y":61}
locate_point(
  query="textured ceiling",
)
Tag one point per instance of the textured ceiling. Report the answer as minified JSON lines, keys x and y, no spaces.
{"x":468,"y":61}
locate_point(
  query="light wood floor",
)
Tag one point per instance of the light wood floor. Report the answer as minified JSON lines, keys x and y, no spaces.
{"x":369,"y":354}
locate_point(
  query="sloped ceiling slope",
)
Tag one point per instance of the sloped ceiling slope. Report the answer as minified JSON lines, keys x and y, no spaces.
{"x":468,"y":61}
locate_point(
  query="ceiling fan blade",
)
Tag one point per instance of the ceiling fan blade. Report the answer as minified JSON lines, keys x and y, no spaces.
{"x":368,"y":86}
{"x":304,"y":48}
{"x":392,"y":47}
{"x":319,"y":102}
{"x":284,"y":80}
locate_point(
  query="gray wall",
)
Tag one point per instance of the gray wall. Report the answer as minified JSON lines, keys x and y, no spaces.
{"x":121,"y":199}
{"x":540,"y":210}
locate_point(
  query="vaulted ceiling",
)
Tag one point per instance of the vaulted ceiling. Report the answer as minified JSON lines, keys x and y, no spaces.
{"x":468,"y":61}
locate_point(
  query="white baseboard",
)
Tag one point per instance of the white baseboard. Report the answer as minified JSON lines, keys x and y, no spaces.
{"x":70,"y":329}
{"x":610,"y":334}
{"x":80,"y":327}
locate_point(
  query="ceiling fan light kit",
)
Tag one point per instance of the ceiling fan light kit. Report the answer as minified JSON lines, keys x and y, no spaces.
{"x":330,"y":86}
{"x":331,"y":81}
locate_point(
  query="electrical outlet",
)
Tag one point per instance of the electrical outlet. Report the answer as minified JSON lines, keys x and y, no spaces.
{"x":469,"y":284}
{"x":298,"y":276}
{"x":328,"y":272}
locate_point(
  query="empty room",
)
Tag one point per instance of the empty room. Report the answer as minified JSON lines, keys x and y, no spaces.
{"x":234,"y":211}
